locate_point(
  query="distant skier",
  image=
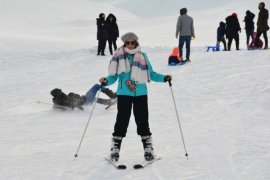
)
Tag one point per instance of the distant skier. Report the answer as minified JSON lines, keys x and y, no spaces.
{"x":232,"y":29}
{"x":249,"y":25}
{"x":262,"y":24}
{"x":185,"y":30}
{"x":133,"y":70}
{"x":255,"y":43}
{"x":102,"y":34}
{"x":221,"y":35}
{"x":73,"y":100}
{"x":113,"y":32}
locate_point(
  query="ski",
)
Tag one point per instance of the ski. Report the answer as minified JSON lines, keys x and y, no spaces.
{"x":145,"y":163}
{"x":113,"y":102}
{"x":115,"y":163}
{"x":55,"y":106}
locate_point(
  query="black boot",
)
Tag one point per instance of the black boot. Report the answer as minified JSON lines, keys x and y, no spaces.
{"x":115,"y":147}
{"x":102,"y":53}
{"x":109,"y":93}
{"x":111,"y":51}
{"x":148,"y":148}
{"x":104,"y":101}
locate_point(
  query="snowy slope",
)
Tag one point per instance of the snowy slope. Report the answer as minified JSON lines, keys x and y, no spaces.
{"x":223,"y":98}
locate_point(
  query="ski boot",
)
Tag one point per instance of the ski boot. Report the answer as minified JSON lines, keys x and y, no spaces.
{"x":104,"y":101}
{"x":109,"y":93}
{"x":148,"y":148}
{"x":115,"y":147}
{"x":188,"y":60}
{"x":112,"y":95}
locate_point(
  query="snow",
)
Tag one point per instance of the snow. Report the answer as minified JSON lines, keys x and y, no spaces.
{"x":223,"y":98}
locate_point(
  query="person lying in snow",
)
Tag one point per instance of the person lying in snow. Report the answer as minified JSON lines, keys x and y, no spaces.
{"x":73,"y":100}
{"x":255,"y":44}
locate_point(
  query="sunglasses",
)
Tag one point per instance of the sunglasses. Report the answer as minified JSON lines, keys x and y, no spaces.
{"x":130,"y":42}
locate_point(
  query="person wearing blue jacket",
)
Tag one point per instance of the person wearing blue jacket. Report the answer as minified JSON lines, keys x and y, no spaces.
{"x":133,"y":70}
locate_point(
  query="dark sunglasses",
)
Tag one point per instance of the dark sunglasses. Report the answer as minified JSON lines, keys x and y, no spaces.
{"x":130,"y":42}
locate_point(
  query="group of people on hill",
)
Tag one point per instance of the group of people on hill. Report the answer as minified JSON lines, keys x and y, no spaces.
{"x":231,"y":29}
{"x":107,"y":30}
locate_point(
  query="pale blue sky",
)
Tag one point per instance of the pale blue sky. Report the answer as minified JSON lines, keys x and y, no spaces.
{"x":152,"y":8}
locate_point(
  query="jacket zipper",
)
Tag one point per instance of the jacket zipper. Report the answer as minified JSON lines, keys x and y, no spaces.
{"x":121,"y":83}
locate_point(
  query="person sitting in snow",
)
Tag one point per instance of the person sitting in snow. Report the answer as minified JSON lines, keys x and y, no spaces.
{"x":255,"y":44}
{"x":174,"y":58}
{"x":73,"y":100}
{"x":221,"y":35}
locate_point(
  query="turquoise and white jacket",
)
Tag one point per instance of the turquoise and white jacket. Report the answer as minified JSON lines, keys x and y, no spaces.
{"x":141,"y":89}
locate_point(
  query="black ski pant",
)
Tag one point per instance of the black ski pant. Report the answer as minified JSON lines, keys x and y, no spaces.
{"x":101,"y":46}
{"x":236,"y":38}
{"x":112,"y":42}
{"x":264,"y":36}
{"x":140,"y":111}
{"x":249,"y":34}
{"x":224,"y":43}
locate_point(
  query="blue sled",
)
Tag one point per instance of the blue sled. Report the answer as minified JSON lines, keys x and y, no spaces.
{"x":177,"y":64}
{"x":214,"y":48}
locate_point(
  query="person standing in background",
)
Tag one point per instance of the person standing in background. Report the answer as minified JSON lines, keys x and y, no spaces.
{"x":102,"y":34}
{"x":113,"y":32}
{"x":221,"y":35}
{"x":232,"y":29}
{"x":262,"y":24}
{"x":185,"y":30}
{"x":249,"y":25}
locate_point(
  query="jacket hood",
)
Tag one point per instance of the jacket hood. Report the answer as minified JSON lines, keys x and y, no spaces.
{"x":222,"y":23}
{"x":100,"y":15}
{"x":262,"y":4}
{"x":113,"y":16}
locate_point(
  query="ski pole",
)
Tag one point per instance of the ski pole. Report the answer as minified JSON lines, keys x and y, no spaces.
{"x":179,"y":124}
{"x":40,"y":102}
{"x":85,"y":129}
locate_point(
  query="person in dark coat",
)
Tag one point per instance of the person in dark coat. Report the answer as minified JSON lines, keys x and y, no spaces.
{"x":232,"y":29}
{"x":113,"y":32}
{"x":73,"y":100}
{"x":249,"y":25}
{"x":102,"y":34}
{"x":221,"y":35}
{"x":262,"y":24}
